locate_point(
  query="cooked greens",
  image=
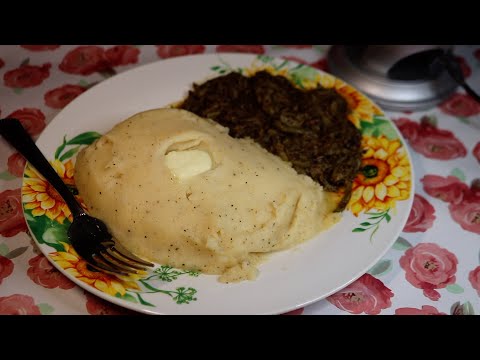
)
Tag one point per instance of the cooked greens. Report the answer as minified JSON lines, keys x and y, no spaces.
{"x":310,"y":128}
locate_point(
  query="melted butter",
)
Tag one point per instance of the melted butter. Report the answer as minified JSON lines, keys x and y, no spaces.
{"x":188,"y":163}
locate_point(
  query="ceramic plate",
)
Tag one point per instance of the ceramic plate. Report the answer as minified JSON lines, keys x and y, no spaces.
{"x":379,"y":208}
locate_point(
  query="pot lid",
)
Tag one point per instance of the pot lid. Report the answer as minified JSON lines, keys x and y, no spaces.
{"x":396,"y":77}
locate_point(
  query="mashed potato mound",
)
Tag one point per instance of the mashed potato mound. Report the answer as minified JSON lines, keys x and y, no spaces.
{"x":176,"y":189}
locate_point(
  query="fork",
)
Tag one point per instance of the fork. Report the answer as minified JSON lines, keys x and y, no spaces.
{"x":88,"y":235}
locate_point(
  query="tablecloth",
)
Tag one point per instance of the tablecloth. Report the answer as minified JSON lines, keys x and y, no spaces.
{"x":433,"y":267}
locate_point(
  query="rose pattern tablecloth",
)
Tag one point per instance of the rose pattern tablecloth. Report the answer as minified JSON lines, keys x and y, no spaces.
{"x":433,"y":267}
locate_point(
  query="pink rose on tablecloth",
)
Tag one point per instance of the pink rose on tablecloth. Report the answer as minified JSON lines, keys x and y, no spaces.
{"x":460,"y":105}
{"x":367,"y":294}
{"x":428,"y":266}
{"x":6,"y":267}
{"x":122,"y":55}
{"x":421,"y":216}
{"x":408,"y":128}
{"x":98,"y":306}
{"x":26,"y":76}
{"x":18,"y":304}
{"x":464,"y":201}
{"x":32,"y":119}
{"x":295,"y":312}
{"x":16,"y":164}
{"x":474,"y":278}
{"x":430,"y":141}
{"x":2,"y":63}
{"x":61,"y":96}
{"x":40,"y":47}
{"x":449,"y":189}
{"x":467,"y":212}
{"x":11,"y":216}
{"x":84,"y":60}
{"x":44,"y":274}
{"x":251,"y":49}
{"x":321,"y":64}
{"x":168,"y":51}
{"x":476,"y":151}
{"x":466,"y":70}
{"x":425,"y":310}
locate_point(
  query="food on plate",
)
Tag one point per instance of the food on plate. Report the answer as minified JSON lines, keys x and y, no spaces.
{"x":176,"y":189}
{"x":310,"y":129}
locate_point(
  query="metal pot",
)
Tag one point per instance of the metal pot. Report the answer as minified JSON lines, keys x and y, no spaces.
{"x":396,"y":77}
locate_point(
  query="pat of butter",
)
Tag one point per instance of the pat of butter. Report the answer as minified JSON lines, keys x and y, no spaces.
{"x":187,"y":163}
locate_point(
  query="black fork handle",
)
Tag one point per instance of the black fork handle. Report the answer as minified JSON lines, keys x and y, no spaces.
{"x":13,"y":131}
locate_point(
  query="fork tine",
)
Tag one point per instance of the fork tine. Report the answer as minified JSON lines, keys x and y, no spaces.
{"x":123,"y":260}
{"x":127,"y":254}
{"x":101,"y":265}
{"x":117,"y":264}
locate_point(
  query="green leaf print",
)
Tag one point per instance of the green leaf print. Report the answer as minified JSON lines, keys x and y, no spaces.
{"x":45,"y":309}
{"x":127,"y":297}
{"x":374,"y":223}
{"x":224,"y":68}
{"x":61,"y":147}
{"x":454,"y":289}
{"x":142,"y":301}
{"x":282,"y":64}
{"x":302,"y":73}
{"x":168,"y":274}
{"x":184,"y":296}
{"x":7,"y":176}
{"x":381,"y":268}
{"x":165,"y":273}
{"x":69,"y":153}
{"x":265,"y":58}
{"x":28,"y":216}
{"x":401,"y":244}
{"x":459,"y":174}
{"x":47,"y":231}
{"x":4,"y":249}
{"x":379,"y":126}
{"x":55,"y":235}
{"x":16,"y":252}
{"x":85,"y":138}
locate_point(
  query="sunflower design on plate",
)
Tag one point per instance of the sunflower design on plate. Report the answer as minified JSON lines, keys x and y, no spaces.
{"x":384,"y":176}
{"x":41,"y":198}
{"x":77,"y":267}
